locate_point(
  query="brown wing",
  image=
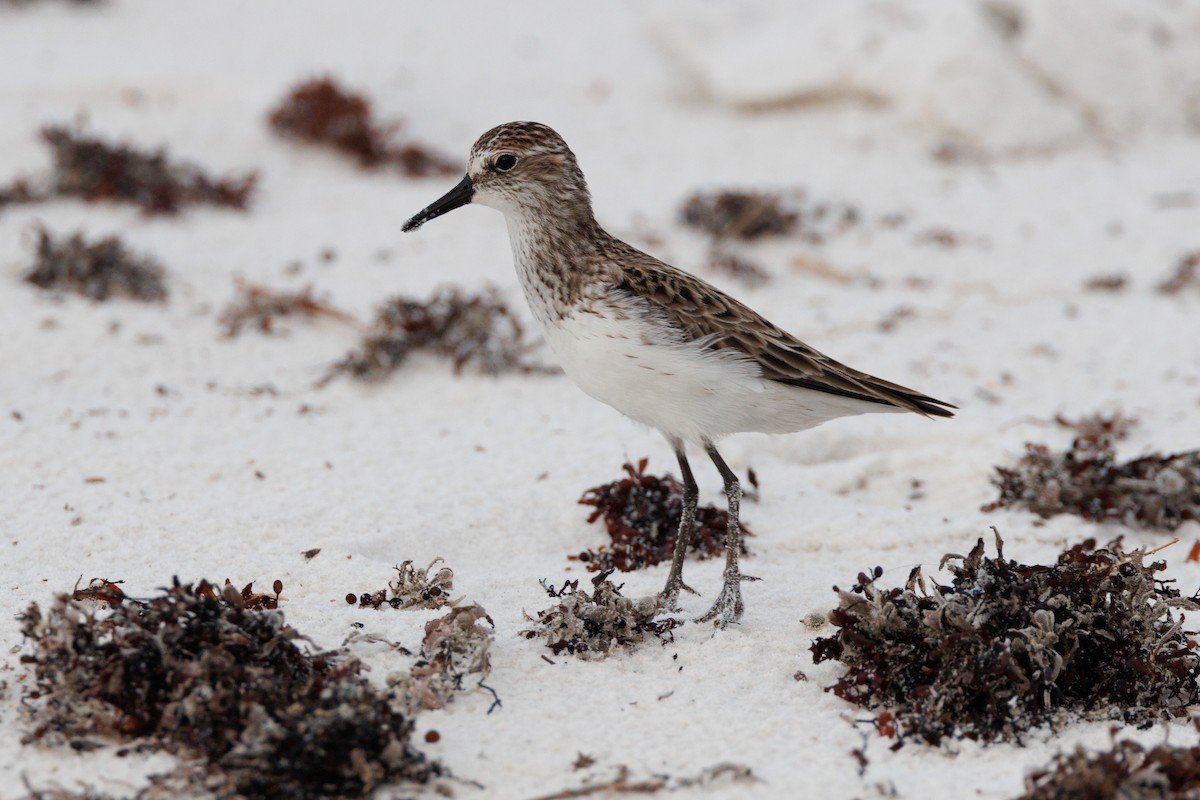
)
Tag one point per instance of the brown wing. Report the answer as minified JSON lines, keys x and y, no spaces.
{"x":704,"y":312}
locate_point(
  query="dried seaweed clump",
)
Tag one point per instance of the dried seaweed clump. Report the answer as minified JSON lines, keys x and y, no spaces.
{"x":412,"y":588}
{"x":99,"y":270}
{"x":1129,"y":771}
{"x":20,"y":191}
{"x":258,"y":601}
{"x":1007,"y":647}
{"x":592,"y":626}
{"x":642,"y":514}
{"x":1154,"y":491}
{"x":197,"y":673}
{"x":456,"y":646}
{"x":95,"y":170}
{"x":750,"y":273}
{"x":259,"y":307}
{"x":319,"y":111}
{"x":740,"y":215}
{"x":101,"y":590}
{"x":1187,"y":273}
{"x":1095,"y":429}
{"x":470,"y":329}
{"x":729,"y":215}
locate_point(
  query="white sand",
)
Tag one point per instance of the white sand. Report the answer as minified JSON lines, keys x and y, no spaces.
{"x":485,"y":472}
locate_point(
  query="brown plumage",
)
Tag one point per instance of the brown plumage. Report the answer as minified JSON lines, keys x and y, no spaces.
{"x":662,"y":346}
{"x":707,"y":313}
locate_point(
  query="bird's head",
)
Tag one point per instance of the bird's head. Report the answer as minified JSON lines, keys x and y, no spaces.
{"x":517,"y":168}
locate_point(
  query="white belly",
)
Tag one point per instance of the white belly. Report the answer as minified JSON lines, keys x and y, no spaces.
{"x":682,"y":389}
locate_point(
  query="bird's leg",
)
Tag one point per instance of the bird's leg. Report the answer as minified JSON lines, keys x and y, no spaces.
{"x":728,"y":607}
{"x":691,"y":495}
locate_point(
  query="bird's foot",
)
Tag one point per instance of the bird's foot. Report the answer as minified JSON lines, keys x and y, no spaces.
{"x":728,"y":607}
{"x":669,"y":597}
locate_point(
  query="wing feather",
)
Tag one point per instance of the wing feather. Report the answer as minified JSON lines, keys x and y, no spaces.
{"x":703,"y":312}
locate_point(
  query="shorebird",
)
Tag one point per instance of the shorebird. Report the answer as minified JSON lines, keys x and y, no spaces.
{"x":661,"y":346}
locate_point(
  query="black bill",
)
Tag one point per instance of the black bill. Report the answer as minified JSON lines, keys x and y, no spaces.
{"x":460,"y":195}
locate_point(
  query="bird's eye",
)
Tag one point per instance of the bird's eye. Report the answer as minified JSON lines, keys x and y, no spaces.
{"x":506,"y":162}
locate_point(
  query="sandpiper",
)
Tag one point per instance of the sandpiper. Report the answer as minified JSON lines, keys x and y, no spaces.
{"x":659,"y":345}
